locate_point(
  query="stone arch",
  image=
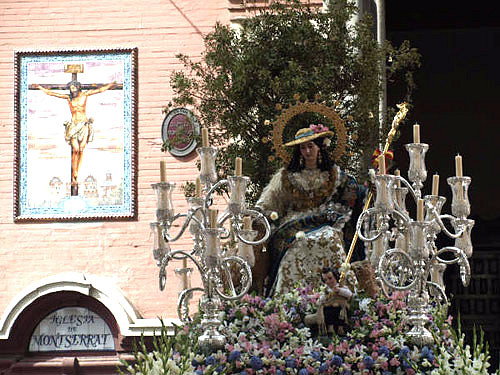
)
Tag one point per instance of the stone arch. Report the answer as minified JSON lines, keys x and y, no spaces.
{"x":123,"y":314}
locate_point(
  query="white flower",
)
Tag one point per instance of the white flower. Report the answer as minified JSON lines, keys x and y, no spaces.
{"x":371,"y":175}
{"x":327,"y":142}
{"x":345,"y":267}
{"x":364,"y":304}
{"x":274,"y":216}
{"x":300,"y":234}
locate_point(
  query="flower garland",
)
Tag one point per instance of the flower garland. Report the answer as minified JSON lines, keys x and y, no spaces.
{"x":267,"y":336}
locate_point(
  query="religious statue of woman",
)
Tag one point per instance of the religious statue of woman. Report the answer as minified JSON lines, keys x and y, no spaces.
{"x":309,"y":202}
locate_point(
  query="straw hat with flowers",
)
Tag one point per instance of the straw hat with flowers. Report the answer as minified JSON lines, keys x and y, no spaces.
{"x":308,"y":134}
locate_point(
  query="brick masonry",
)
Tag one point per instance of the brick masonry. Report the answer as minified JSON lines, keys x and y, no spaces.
{"x":121,"y":251}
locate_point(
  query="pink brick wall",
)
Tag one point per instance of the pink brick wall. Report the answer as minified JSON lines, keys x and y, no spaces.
{"x":118,"y":250}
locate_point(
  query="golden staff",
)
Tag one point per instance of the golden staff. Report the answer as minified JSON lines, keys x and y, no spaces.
{"x":403,"y":110}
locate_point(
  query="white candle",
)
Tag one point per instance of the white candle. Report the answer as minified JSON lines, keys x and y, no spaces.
{"x":237,"y":167}
{"x":416,"y":133}
{"x":458,"y":166}
{"x":381,"y":164}
{"x":397,"y":173}
{"x":435,"y":184}
{"x":197,"y":189}
{"x":163,"y":171}
{"x":420,"y":210}
{"x":212,"y":215}
{"x":204,"y":137}
{"x":247,"y":223}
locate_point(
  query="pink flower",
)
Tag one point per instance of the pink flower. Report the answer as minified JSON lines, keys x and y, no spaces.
{"x":320,"y":128}
{"x":374,"y":355}
{"x":299,"y":351}
{"x":410,"y":371}
{"x":384,"y":365}
{"x":366,"y":319}
{"x":375,"y":333}
{"x":394,"y":362}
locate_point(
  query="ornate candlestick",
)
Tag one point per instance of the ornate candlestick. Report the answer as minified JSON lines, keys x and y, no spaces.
{"x":216,"y":268}
{"x":414,"y":258}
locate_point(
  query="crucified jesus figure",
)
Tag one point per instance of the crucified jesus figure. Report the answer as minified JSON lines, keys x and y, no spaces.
{"x":78,"y":131}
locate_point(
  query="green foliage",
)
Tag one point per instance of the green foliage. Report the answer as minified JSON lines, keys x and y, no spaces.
{"x":172,"y":354}
{"x":290,"y":48}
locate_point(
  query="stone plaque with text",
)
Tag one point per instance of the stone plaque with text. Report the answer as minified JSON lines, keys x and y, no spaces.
{"x":72,"y":329}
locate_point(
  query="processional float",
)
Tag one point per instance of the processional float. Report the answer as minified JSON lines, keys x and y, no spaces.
{"x":414,"y":264}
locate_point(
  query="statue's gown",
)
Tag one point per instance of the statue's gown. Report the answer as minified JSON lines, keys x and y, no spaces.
{"x":316,"y":214}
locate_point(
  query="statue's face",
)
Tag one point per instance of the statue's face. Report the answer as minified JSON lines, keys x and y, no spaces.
{"x":74,"y":89}
{"x":329,"y":279}
{"x":309,"y":151}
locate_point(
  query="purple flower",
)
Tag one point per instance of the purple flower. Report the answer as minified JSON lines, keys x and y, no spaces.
{"x":235,"y":355}
{"x":290,"y":362}
{"x":277,"y":354}
{"x":384,"y":350}
{"x":337,"y":360}
{"x":427,"y":353}
{"x":219,"y":369}
{"x":323,"y":368}
{"x":210,"y":360}
{"x":303,"y":371}
{"x":194,"y":363}
{"x":368,"y":361}
{"x":403,"y":352}
{"x":316,"y":355}
{"x":198,"y":372}
{"x":256,"y":362}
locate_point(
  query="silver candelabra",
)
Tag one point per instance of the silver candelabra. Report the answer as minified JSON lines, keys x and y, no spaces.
{"x":403,"y":250}
{"x":223,"y":276}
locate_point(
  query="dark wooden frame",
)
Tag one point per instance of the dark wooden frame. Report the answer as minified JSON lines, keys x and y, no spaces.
{"x":129,"y":94}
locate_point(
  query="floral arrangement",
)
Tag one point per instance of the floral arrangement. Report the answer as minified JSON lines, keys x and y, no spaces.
{"x":268,"y":336}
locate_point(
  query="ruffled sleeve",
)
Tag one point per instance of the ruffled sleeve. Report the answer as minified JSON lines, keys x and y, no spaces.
{"x":273,"y":197}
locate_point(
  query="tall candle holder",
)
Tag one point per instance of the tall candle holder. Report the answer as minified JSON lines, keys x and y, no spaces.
{"x":216,"y":267}
{"x":411,"y":261}
{"x":417,"y":172}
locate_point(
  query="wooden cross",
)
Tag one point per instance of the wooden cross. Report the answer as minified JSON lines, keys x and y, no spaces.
{"x":74,"y":69}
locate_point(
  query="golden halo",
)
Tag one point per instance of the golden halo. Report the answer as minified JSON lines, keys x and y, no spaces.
{"x":303,"y":107}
